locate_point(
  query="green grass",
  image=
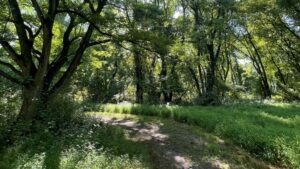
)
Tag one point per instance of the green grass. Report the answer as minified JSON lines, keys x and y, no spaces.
{"x":84,"y":144}
{"x":213,"y":149}
{"x":65,"y":138}
{"x":268,"y":131}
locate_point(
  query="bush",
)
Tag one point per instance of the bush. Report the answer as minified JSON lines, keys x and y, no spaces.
{"x":61,"y":110}
{"x":88,"y":144}
{"x":10,"y":104}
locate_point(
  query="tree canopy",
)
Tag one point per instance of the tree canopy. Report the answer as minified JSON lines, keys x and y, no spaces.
{"x":151,"y":51}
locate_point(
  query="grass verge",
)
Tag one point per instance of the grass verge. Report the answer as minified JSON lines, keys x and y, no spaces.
{"x":85,"y":144}
{"x":268,"y":131}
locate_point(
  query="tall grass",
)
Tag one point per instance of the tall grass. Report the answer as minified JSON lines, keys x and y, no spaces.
{"x":268,"y":131}
{"x":86,"y":145}
{"x":64,"y":138}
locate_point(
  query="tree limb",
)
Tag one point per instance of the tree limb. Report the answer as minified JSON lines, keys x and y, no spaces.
{"x":11,"y":67}
{"x":10,"y":78}
{"x":38,"y":10}
{"x":12,"y":53}
{"x":99,"y":42}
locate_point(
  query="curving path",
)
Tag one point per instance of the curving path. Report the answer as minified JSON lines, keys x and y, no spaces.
{"x":176,"y":145}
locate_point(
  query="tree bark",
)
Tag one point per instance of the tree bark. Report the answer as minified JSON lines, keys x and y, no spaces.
{"x":36,"y":73}
{"x":210,"y":95}
{"x":163,"y":77}
{"x":30,"y":97}
{"x":139,"y":77}
{"x":260,"y":69}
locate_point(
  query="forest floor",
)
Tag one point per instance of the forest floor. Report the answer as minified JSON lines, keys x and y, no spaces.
{"x":146,"y":137}
{"x":176,"y":145}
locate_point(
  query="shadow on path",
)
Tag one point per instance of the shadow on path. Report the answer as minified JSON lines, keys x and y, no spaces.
{"x":172,"y":145}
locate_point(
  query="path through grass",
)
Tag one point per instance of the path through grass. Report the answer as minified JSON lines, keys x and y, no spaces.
{"x":267,"y":131}
{"x":177,"y":145}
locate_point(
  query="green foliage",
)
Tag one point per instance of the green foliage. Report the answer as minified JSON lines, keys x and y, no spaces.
{"x":269,"y":131}
{"x":79,"y":142}
{"x":149,"y":110}
{"x":9,"y":107}
{"x":61,"y":110}
{"x":178,"y":51}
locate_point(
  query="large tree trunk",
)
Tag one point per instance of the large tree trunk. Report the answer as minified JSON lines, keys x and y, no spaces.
{"x":209,"y":92}
{"x":210,"y":96}
{"x":153,"y":94}
{"x":36,"y":73}
{"x":163,"y":78}
{"x":31,"y":100}
{"x":139,"y":78}
{"x":29,"y":104}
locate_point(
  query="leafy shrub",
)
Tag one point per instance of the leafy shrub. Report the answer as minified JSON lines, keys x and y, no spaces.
{"x":60,"y":111}
{"x":10,"y":104}
{"x":84,"y":144}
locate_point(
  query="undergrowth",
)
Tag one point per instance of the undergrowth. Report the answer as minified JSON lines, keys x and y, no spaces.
{"x":65,"y":138}
{"x":268,"y":131}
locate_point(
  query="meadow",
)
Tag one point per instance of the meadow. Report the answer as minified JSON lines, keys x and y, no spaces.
{"x":71,"y":139}
{"x":267,"y":131}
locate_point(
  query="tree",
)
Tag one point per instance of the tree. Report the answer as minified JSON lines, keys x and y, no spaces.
{"x":210,"y":26}
{"x":35,"y":62}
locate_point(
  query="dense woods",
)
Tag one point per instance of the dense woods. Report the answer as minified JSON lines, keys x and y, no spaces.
{"x":201,"y":52}
{"x":178,"y":52}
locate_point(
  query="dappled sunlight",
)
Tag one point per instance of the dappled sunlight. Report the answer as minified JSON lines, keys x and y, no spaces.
{"x":152,"y":134}
{"x":138,"y":84}
{"x":181,"y":162}
{"x":266,"y":131}
{"x":87,"y":144}
{"x":220,"y":164}
{"x":276,"y":119}
{"x":174,"y":145}
{"x":143,"y":132}
{"x":281,"y":110}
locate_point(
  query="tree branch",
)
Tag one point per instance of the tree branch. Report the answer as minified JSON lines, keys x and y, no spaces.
{"x":11,"y":67}
{"x":58,"y":62}
{"x":19,"y":22}
{"x":38,"y":31}
{"x":10,"y":78}
{"x":75,"y":61}
{"x":12,"y":53}
{"x":38,"y":10}
{"x":90,"y":5}
{"x":289,"y":29}
{"x":82,"y":16}
{"x":98,"y":42}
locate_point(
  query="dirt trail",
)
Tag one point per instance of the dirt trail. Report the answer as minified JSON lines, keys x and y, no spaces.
{"x":173,"y":145}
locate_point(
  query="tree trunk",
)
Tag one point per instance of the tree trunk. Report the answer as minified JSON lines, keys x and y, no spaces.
{"x":33,"y":97}
{"x":138,"y":77}
{"x":210,"y":95}
{"x":29,"y":104}
{"x":267,"y":94}
{"x":163,"y":78}
{"x":154,"y":95}
{"x":194,"y":76}
{"x":201,"y":76}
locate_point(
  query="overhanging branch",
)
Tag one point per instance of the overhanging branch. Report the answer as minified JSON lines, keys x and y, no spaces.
{"x":10,"y":78}
{"x":98,"y":42}
{"x":12,"y":53}
{"x":11,"y":67}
